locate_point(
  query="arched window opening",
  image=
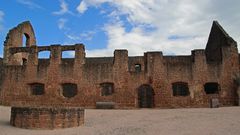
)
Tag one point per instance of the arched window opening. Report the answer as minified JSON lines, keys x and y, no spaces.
{"x":107,"y":89}
{"x":138,"y":68}
{"x":44,"y":55}
{"x":26,"y":40}
{"x":180,"y":89}
{"x":68,"y":54}
{"x":37,"y":88}
{"x":69,"y":90}
{"x":211,"y":88}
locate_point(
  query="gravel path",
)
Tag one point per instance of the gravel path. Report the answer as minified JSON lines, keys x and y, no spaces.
{"x":201,"y":121}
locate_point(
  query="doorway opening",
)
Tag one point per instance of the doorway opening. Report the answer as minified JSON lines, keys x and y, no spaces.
{"x":145,"y":96}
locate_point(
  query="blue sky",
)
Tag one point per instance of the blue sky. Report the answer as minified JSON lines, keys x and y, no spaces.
{"x":171,"y":26}
{"x":45,"y":22}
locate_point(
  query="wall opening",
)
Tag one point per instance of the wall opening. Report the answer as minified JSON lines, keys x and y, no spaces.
{"x":19,"y":58}
{"x":107,"y":89}
{"x":44,"y":54}
{"x":211,"y":88}
{"x":145,"y":96}
{"x":138,"y":67}
{"x":180,"y":89}
{"x":24,"y":61}
{"x":68,"y":54}
{"x":37,"y":89}
{"x":26,"y":40}
{"x":69,"y":90}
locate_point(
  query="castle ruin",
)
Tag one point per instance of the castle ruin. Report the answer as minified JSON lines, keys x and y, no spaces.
{"x":121,"y":81}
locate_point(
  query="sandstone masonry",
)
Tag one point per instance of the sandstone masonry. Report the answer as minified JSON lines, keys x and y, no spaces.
{"x":152,"y":80}
{"x":46,"y":117}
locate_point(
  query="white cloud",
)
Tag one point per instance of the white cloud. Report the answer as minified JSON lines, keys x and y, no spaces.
{"x":84,"y":4}
{"x":64,"y":8}
{"x":82,"y":7}
{"x":30,"y":4}
{"x":61,"y":24}
{"x":88,"y":35}
{"x":74,"y":37}
{"x":188,"y":20}
{"x":78,"y":38}
{"x":1,"y":19}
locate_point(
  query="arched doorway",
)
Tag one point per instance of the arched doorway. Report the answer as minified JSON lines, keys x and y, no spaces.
{"x":145,"y":96}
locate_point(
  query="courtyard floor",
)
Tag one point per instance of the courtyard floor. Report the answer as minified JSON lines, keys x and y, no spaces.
{"x":200,"y":121}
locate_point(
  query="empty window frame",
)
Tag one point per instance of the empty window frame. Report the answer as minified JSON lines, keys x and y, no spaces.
{"x":107,"y":89}
{"x":138,"y":67}
{"x":69,"y":90}
{"x":26,"y":40}
{"x":68,"y":54}
{"x":180,"y":89}
{"x":44,"y":54}
{"x":24,"y":61}
{"x":211,"y":88}
{"x":37,"y":88}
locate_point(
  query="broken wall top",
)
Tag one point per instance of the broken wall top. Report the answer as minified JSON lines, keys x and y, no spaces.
{"x":14,"y":37}
{"x":218,"y":38}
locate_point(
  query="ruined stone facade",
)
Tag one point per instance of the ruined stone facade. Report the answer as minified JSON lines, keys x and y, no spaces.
{"x":152,"y":80}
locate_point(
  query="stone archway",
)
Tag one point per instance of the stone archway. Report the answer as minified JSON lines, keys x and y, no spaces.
{"x":145,"y":96}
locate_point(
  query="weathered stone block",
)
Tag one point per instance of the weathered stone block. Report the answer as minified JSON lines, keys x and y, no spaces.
{"x":48,"y":118}
{"x":214,"y":103}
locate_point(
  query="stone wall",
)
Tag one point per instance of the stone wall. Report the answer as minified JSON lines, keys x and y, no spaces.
{"x":46,"y":117}
{"x":157,"y":71}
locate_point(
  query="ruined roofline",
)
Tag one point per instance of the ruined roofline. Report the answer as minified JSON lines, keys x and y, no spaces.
{"x":215,"y":22}
{"x":215,"y":26}
{"x":217,"y":29}
{"x":18,"y":28}
{"x":218,"y":38}
{"x":14,"y":50}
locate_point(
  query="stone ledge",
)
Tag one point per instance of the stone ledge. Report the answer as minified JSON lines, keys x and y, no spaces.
{"x":105,"y":105}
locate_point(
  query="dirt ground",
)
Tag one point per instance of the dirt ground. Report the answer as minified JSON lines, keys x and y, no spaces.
{"x":201,"y":121}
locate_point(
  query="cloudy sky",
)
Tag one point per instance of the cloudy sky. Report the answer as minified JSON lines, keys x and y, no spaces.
{"x":172,"y":26}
